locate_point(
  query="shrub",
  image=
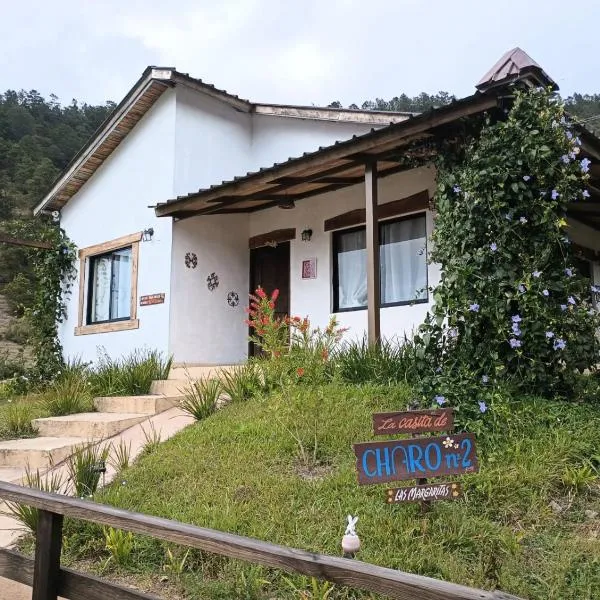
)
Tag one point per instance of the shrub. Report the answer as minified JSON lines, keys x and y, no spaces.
{"x":68,"y":396}
{"x":18,"y":420}
{"x":151,"y":439}
{"x":200,"y":397}
{"x":120,"y":455}
{"x":242,"y":382}
{"x":511,"y":305}
{"x":119,"y":544}
{"x":131,"y":375}
{"x":388,"y":362}
{"x":85,"y":467}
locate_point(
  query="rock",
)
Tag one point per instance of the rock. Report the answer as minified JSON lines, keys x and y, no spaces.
{"x":556,"y":507}
{"x":590,"y":514}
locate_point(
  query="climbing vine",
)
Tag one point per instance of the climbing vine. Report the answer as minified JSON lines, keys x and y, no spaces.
{"x":54,"y":272}
{"x":511,"y":304}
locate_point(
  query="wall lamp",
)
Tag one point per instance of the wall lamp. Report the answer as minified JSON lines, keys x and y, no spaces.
{"x":147,"y":234}
{"x":306,"y":235}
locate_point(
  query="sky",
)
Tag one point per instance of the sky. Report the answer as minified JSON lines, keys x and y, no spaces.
{"x":307,"y":52}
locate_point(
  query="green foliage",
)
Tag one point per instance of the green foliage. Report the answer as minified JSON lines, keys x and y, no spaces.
{"x":243,"y":382}
{"x":200,"y":397}
{"x":511,"y":306}
{"x":18,"y":331}
{"x":119,"y":544}
{"x":389,"y":362}
{"x":129,"y":375}
{"x":151,"y":439}
{"x":28,"y":516}
{"x":18,"y":420}
{"x":587,"y":108}
{"x":404,"y":103}
{"x":85,"y":467}
{"x":120,"y":455}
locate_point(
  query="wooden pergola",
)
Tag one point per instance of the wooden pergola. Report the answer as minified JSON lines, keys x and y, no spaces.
{"x":363,"y":160}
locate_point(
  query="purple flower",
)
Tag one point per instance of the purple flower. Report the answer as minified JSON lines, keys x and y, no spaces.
{"x":522,"y":288}
{"x":571,"y":300}
{"x":516,"y":318}
{"x":549,"y":334}
{"x":585,"y":194}
{"x":508,"y":216}
{"x":493,"y":247}
{"x":485,"y":379}
{"x":474,"y":307}
{"x":526,"y":177}
{"x":453,"y":332}
{"x":569,"y":135}
{"x":573,"y":154}
{"x":585,"y":165}
{"x":536,"y":274}
{"x":514,"y":343}
{"x":545,"y":293}
{"x":456,"y":189}
{"x":554,"y":194}
{"x":516,"y":330}
{"x":482,"y":406}
{"x":438,"y":370}
{"x":559,"y":344}
{"x":569,"y":272}
{"x":577,"y":141}
{"x":563,"y":307}
{"x":595,"y":289}
{"x":565,"y":158}
{"x":440,"y":400}
{"x":522,"y":220}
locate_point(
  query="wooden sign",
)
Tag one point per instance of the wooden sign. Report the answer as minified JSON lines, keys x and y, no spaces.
{"x":424,"y":493}
{"x":414,"y":421}
{"x":152,"y":299}
{"x":396,"y":460}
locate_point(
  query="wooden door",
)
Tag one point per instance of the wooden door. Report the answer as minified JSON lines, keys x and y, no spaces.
{"x":270,"y":268}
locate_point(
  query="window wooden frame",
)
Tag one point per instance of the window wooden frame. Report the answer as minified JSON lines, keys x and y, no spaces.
{"x":85,"y":254}
{"x":336,"y":281}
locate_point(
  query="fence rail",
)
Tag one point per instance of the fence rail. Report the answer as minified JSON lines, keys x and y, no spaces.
{"x":49,"y":579}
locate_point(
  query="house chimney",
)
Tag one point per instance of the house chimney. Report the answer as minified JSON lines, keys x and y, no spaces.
{"x":516,"y":65}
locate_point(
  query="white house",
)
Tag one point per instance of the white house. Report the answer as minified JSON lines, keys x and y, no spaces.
{"x":186,"y":198}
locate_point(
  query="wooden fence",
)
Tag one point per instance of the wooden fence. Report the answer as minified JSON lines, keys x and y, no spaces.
{"x":49,"y":580}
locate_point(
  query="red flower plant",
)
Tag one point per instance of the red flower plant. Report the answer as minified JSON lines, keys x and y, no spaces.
{"x":300,"y":371}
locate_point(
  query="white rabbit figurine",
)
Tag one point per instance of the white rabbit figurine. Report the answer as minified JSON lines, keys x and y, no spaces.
{"x":350,"y":541}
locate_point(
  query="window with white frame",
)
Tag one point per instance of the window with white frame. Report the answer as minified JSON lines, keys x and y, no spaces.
{"x":403,"y":264}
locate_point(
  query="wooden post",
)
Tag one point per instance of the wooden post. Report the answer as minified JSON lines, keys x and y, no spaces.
{"x":373,"y":277}
{"x":47,"y":556}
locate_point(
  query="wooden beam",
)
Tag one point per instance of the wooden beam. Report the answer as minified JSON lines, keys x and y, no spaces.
{"x":373,"y":283}
{"x":413,"y":203}
{"x":273,"y":237}
{"x":5,"y":239}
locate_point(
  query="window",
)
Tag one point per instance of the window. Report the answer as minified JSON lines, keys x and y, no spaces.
{"x":403,"y":264}
{"x":108,"y":286}
{"x":109,"y":291}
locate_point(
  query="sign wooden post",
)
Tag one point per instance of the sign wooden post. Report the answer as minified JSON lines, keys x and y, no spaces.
{"x":418,"y":457}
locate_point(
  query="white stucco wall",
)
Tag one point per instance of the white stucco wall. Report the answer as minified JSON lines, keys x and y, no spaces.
{"x":204,"y":327}
{"x":114,"y":203}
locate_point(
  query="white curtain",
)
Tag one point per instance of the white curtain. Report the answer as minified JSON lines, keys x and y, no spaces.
{"x":352,"y":269}
{"x":121,"y":288}
{"x":111,"y":286}
{"x":100,"y":300}
{"x":403,"y":261}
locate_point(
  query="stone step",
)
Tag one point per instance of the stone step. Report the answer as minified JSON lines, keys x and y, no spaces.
{"x":169,"y":387}
{"x":197,"y":372}
{"x":12,"y":474}
{"x":150,"y":404}
{"x":95,"y":425}
{"x":38,"y":452}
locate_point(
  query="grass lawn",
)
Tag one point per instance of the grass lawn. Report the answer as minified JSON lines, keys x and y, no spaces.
{"x":253,"y":469}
